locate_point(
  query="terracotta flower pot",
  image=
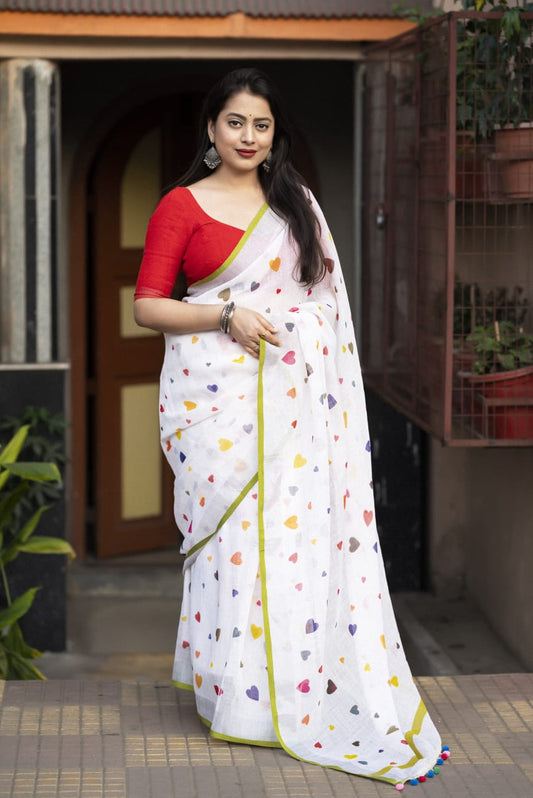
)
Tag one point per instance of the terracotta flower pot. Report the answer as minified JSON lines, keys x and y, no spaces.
{"x":514,"y":150}
{"x":507,"y":403}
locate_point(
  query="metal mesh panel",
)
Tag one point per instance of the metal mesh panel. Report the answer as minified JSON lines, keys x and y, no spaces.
{"x":448,"y":229}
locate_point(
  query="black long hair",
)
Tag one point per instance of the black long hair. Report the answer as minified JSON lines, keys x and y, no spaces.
{"x":283,"y":186}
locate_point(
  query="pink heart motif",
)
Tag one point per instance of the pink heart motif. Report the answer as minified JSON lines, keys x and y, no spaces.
{"x":253,"y":693}
{"x":293,"y":557}
{"x":303,"y":687}
{"x":311,"y":626}
{"x":289,"y":358}
{"x":368,"y":515}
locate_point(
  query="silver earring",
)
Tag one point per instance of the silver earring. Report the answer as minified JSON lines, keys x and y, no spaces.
{"x":266,"y":163}
{"x":212,"y":159}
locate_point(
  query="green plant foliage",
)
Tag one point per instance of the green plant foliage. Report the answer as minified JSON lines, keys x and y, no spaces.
{"x":16,"y":537}
{"x":501,"y":346}
{"x":494,"y":68}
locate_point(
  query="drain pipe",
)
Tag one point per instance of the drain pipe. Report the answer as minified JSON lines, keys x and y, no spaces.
{"x":358,"y":204}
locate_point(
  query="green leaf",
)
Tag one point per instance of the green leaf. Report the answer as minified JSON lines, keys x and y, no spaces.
{"x":10,"y":502}
{"x":20,"y":668}
{"x":4,"y":662}
{"x":11,"y":451}
{"x":18,"y":608}
{"x":14,"y":641}
{"x":39,"y":472}
{"x":45,"y":545}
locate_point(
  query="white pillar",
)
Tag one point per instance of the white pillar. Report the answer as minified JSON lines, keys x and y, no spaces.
{"x":28,"y":210}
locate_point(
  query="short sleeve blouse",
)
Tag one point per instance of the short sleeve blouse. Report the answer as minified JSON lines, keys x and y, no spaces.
{"x":181,"y":236}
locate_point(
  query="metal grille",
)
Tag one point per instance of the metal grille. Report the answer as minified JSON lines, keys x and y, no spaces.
{"x":448,"y":231}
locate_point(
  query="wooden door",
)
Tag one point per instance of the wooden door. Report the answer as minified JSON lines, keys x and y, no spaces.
{"x":131,"y":483}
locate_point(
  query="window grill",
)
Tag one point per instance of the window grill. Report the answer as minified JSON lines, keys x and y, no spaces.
{"x":448,"y":278}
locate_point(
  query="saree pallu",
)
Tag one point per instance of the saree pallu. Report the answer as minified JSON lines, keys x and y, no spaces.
{"x":287,"y":634}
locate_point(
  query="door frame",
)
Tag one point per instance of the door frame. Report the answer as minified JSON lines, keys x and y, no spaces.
{"x":84,"y":159}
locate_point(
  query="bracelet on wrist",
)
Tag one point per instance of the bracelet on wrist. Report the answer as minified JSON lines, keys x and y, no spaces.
{"x":226,"y":316}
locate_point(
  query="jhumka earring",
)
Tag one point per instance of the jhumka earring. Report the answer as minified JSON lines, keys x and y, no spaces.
{"x":266,"y":163}
{"x":212,"y":159}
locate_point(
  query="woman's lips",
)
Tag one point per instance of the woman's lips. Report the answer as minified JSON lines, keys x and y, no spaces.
{"x":246,"y":153}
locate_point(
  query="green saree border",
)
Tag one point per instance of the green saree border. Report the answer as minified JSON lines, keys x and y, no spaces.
{"x":231,"y":257}
{"x":421,"y":711}
{"x":229,"y":512}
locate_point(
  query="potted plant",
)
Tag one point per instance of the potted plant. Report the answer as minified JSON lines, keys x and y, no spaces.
{"x":495,"y":89}
{"x":502,"y":379}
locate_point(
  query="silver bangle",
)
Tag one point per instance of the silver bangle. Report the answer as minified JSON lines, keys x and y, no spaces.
{"x":226,"y":316}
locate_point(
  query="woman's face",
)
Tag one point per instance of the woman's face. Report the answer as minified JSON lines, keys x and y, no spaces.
{"x":243,"y":132}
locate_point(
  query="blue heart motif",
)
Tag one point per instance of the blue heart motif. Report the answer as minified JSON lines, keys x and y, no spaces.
{"x":236,"y":632}
{"x":355,"y":710}
{"x":212,"y":388}
{"x":311,"y":626}
{"x":253,"y":693}
{"x":305,"y":655}
{"x":352,"y":628}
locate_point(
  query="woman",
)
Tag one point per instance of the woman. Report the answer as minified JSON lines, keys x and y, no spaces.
{"x":287,"y":634}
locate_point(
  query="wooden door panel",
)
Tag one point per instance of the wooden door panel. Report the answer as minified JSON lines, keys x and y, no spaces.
{"x":130,"y":515}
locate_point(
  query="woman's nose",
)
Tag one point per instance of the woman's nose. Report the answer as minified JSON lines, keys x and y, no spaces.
{"x":248,"y":133}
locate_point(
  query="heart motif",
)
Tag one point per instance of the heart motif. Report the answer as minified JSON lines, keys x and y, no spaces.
{"x":256,"y":631}
{"x":254,"y":286}
{"x":375,"y":547}
{"x":248,"y":428}
{"x":198,"y":679}
{"x":289,"y":358}
{"x":331,"y":401}
{"x":299,"y":461}
{"x":198,"y":617}
{"x":356,"y":743}
{"x":299,"y":586}
{"x":236,"y":558}
{"x":197,"y":654}
{"x":354,"y":544}
{"x":311,"y":626}
{"x":293,"y":490}
{"x":190,"y":405}
{"x":368,"y":515}
{"x":339,"y":545}
{"x":292,"y":522}
{"x":289,"y":325}
{"x":368,"y":446}
{"x":224,"y":444}
{"x":186,"y":372}
{"x":245,"y":525}
{"x":330,"y":264}
{"x":304,"y":654}
{"x":318,"y":745}
{"x":275,"y":264}
{"x":185,"y":644}
{"x":234,"y":592}
{"x":236,"y":632}
{"x":218,"y":690}
{"x":294,"y":423}
{"x":182,"y":457}
{"x":292,"y":393}
{"x":212,"y":388}
{"x":331,"y":687}
{"x":305,"y":720}
{"x":394,"y":681}
{"x":217,"y":634}
{"x":225,"y":294}
{"x":352,"y":628}
{"x":253,"y":693}
{"x":392,"y":729}
{"x":303,"y":687}
{"x":355,"y":710}
{"x":293,"y":557}
{"x":211,"y":478}
{"x":350,"y":347}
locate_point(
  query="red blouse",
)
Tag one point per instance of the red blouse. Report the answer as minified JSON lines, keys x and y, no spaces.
{"x":181,"y":235}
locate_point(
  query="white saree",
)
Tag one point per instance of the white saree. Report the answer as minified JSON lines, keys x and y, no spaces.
{"x":287,"y":634}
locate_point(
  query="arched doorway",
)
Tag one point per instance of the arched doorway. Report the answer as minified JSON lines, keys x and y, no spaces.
{"x":128,"y":486}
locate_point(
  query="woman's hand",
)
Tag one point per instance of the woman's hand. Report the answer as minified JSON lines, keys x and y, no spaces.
{"x":248,"y":327}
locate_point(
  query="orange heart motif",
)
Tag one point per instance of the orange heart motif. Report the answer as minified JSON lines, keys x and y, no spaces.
{"x":274,"y":264}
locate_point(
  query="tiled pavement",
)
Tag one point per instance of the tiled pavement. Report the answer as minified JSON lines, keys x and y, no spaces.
{"x":111,"y":739}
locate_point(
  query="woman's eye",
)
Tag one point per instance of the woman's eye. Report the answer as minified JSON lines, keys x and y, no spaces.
{"x":262,"y":126}
{"x":234,"y":123}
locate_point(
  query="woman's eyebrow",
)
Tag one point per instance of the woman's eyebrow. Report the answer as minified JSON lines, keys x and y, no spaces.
{"x":256,"y":119}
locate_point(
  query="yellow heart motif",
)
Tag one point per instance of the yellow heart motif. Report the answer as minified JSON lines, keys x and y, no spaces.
{"x":195,"y":339}
{"x":224,"y":444}
{"x":256,"y":631}
{"x":275,"y":264}
{"x":292,"y":522}
{"x":382,"y":638}
{"x":198,"y":679}
{"x":190,"y":405}
{"x":239,"y":359}
{"x":299,"y":461}
{"x":394,"y":681}
{"x":367,"y":667}
{"x":245,"y":525}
